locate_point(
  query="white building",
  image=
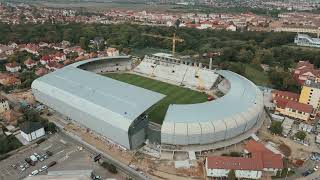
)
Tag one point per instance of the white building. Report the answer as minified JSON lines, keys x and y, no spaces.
{"x":306,"y":40}
{"x":13,"y":67}
{"x":31,"y":130}
{"x":112,"y":52}
{"x":4,"y":105}
{"x":220,"y":166}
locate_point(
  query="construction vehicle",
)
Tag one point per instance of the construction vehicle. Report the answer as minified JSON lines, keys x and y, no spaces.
{"x":174,"y":40}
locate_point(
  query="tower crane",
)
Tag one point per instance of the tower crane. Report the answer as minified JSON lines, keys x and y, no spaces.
{"x":174,"y":39}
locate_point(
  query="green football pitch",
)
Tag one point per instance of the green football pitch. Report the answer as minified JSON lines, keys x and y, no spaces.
{"x":174,"y":94}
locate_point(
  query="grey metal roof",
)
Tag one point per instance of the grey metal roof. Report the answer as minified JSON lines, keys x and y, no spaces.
{"x":241,"y":97}
{"x":29,"y":126}
{"x":120,"y":100}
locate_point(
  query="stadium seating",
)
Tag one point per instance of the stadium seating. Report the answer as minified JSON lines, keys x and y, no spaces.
{"x":178,"y":73}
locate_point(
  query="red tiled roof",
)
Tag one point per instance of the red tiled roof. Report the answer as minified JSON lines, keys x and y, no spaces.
{"x":304,"y":64}
{"x":12,"y":65}
{"x":46,"y":58}
{"x":280,"y":102}
{"x":307,"y":108}
{"x":271,"y":160}
{"x":288,"y":94}
{"x":254,"y":146}
{"x":235,"y":163}
{"x":41,"y":71}
{"x":29,"y":62}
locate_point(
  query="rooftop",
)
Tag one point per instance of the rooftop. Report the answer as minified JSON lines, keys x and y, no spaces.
{"x":101,"y":95}
{"x":242,"y":96}
{"x":300,"y":107}
{"x":288,"y":94}
{"x":29,"y":127}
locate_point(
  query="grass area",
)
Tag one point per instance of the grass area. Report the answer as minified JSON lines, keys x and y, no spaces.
{"x":174,"y":94}
{"x":257,"y":76}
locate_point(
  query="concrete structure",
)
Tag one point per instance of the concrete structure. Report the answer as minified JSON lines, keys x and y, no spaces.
{"x":287,"y":104}
{"x":287,"y":126}
{"x":296,"y":110}
{"x":306,"y":40}
{"x":4,"y":105}
{"x":310,"y":94}
{"x":209,"y":122}
{"x":111,"y":108}
{"x":31,"y":130}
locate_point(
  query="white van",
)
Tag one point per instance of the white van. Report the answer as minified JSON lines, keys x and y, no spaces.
{"x":35,"y":172}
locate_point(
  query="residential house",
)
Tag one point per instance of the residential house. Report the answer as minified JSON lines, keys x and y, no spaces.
{"x":31,"y":131}
{"x":30,"y":48}
{"x":53,"y":65}
{"x":59,"y":57}
{"x":41,"y":71}
{"x":43,"y":44}
{"x":112,"y":52}
{"x":13,"y":67}
{"x":45,"y":59}
{"x":75,"y":49}
{"x":305,"y":70}
{"x":29,"y":63}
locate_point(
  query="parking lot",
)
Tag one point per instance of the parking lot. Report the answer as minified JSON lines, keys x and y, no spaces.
{"x":67,"y":155}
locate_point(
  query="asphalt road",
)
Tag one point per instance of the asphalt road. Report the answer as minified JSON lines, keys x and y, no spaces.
{"x":105,"y":157}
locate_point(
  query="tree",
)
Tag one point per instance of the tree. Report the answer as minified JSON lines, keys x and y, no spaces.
{"x":245,"y":56}
{"x":276,"y":127}
{"x":83,"y":43}
{"x":232,"y":175}
{"x":300,"y":135}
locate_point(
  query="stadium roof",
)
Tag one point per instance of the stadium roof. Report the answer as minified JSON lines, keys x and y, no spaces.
{"x":101,"y":96}
{"x":241,"y":96}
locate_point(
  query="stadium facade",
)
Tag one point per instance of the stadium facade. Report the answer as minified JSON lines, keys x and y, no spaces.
{"x":111,"y":108}
{"x":116,"y":109}
{"x":213,"y":121}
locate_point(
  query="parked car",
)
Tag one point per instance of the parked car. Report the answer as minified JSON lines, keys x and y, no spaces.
{"x":49,"y":153}
{"x":30,"y":162}
{"x":308,"y":172}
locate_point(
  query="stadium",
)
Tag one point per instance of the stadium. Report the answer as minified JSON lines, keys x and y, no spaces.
{"x":117,"y":98}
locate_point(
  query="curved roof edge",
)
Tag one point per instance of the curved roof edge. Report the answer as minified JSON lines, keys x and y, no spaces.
{"x":243,"y":95}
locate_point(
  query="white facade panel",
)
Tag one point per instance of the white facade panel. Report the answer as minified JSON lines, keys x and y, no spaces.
{"x":194,"y":133}
{"x":207,"y":134}
{"x":181,"y":133}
